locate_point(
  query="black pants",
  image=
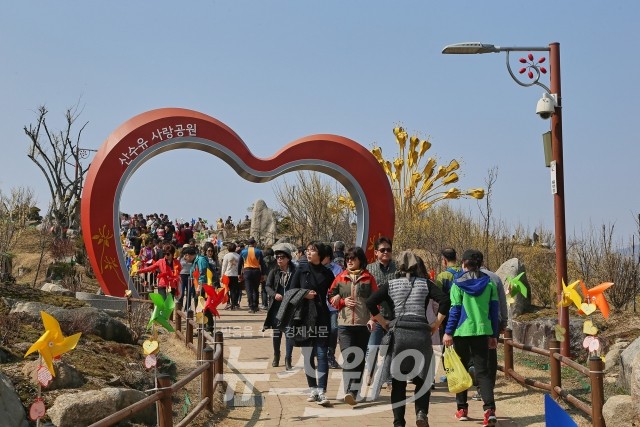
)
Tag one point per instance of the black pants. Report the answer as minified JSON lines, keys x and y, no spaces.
{"x":476,"y":348}
{"x":399,"y":394}
{"x":251,"y":285}
{"x":353,"y":346}
{"x":234,"y":290}
{"x":162,"y":290}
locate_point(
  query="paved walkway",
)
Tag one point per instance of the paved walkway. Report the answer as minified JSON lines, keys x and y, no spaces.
{"x":280,"y":396}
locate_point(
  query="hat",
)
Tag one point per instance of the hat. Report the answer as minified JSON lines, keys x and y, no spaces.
{"x":472,"y":255}
{"x":284,"y":251}
{"x":408,"y":262}
{"x":251,"y":241}
{"x":186,"y":245}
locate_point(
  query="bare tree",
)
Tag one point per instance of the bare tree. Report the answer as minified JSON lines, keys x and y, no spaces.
{"x":597,"y":261}
{"x":490,"y":180}
{"x":14,"y":214}
{"x":312,"y":211}
{"x":57,"y":154}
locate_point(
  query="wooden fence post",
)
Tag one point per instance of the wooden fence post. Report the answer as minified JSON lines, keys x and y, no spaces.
{"x":188,"y":336}
{"x":201,"y":343}
{"x":508,"y":352}
{"x":177,"y":317}
{"x":596,"y":373}
{"x":164,"y":405}
{"x":206,"y":385}
{"x":554,"y":367}
{"x":219,"y":339}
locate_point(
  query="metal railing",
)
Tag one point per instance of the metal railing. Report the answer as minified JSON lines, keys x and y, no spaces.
{"x":208,"y":349}
{"x":595,"y":372}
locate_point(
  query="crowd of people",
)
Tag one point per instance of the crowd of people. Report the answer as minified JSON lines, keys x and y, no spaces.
{"x":383,"y":316}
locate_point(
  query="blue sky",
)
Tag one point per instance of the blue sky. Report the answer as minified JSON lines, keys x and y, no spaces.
{"x":279,"y":70}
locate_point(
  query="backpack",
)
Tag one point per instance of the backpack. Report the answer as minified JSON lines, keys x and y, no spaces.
{"x":446,"y":286}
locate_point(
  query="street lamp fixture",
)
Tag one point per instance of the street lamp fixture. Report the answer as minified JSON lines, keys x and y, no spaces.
{"x":548,"y":107}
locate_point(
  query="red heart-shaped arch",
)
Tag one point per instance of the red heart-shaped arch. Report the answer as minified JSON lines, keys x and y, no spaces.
{"x":157,"y":131}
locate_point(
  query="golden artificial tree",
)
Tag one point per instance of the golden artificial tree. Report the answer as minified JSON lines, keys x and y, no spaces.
{"x":418,"y":183}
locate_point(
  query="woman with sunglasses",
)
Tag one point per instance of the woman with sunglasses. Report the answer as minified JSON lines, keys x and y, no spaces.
{"x":168,"y":269}
{"x":349,"y":293}
{"x":313,"y":276}
{"x":276,"y":286}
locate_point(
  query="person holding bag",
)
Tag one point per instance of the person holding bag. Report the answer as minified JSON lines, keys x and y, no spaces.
{"x":473,"y":329}
{"x":409,"y":355}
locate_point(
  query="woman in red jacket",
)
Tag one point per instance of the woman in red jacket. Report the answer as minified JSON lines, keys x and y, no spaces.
{"x":349,"y":293}
{"x":168,"y":272}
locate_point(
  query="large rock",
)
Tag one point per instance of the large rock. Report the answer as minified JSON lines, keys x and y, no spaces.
{"x":104,"y":302}
{"x":54,"y":288}
{"x":538,"y":333}
{"x":135,"y":376}
{"x":629,"y":364}
{"x":11,"y":411}
{"x":619,"y":412}
{"x":263,"y":223}
{"x":67,"y":376}
{"x":81,"y":409}
{"x":612,"y":357}
{"x":85,"y":319}
{"x":511,"y":268}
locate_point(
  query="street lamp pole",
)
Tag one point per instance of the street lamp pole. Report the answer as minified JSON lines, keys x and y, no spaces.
{"x":556,"y":138}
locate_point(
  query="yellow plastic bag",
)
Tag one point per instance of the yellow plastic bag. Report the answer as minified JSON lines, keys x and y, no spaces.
{"x":458,"y":379}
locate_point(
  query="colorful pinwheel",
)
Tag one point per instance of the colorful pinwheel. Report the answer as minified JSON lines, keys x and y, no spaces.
{"x":516,"y":287}
{"x":214,"y":298}
{"x":162,"y":310}
{"x":52,"y":343}
{"x":570,"y":295}
{"x":595,"y":296}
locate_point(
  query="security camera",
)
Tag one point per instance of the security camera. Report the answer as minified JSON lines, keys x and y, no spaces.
{"x":546,"y":106}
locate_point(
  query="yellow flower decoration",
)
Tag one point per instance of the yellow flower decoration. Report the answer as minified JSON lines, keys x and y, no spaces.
{"x":452,"y":193}
{"x":103,"y":236}
{"x":110,"y":263}
{"x":476,"y":193}
{"x":451,"y":178}
{"x":424,"y":146}
{"x":453,"y":165}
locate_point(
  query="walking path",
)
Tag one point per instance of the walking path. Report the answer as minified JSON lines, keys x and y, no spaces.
{"x":276,"y":397}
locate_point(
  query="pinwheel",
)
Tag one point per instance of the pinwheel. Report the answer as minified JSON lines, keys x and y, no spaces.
{"x":52,"y":343}
{"x":162,"y":310}
{"x":214,"y":298}
{"x":570,"y":295}
{"x":516,"y":287}
{"x":595,"y":296}
{"x":200,"y":310}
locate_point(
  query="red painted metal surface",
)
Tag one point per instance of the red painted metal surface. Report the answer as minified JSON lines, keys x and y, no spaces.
{"x":330,"y":154}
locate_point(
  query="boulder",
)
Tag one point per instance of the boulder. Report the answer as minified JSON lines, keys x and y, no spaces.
{"x":612,"y":358}
{"x":616,"y":411}
{"x":81,"y":409}
{"x":263,"y":223}
{"x":56,"y":289}
{"x":11,"y":411}
{"x":67,"y":376}
{"x":629,"y":364}
{"x":635,"y":385}
{"x":135,"y":376}
{"x":538,"y":333}
{"x":84,"y":319}
{"x":5,"y":356}
{"x":511,"y":268}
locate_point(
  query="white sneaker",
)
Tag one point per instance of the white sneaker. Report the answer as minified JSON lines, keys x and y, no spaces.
{"x":322,"y":400}
{"x":313,"y":396}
